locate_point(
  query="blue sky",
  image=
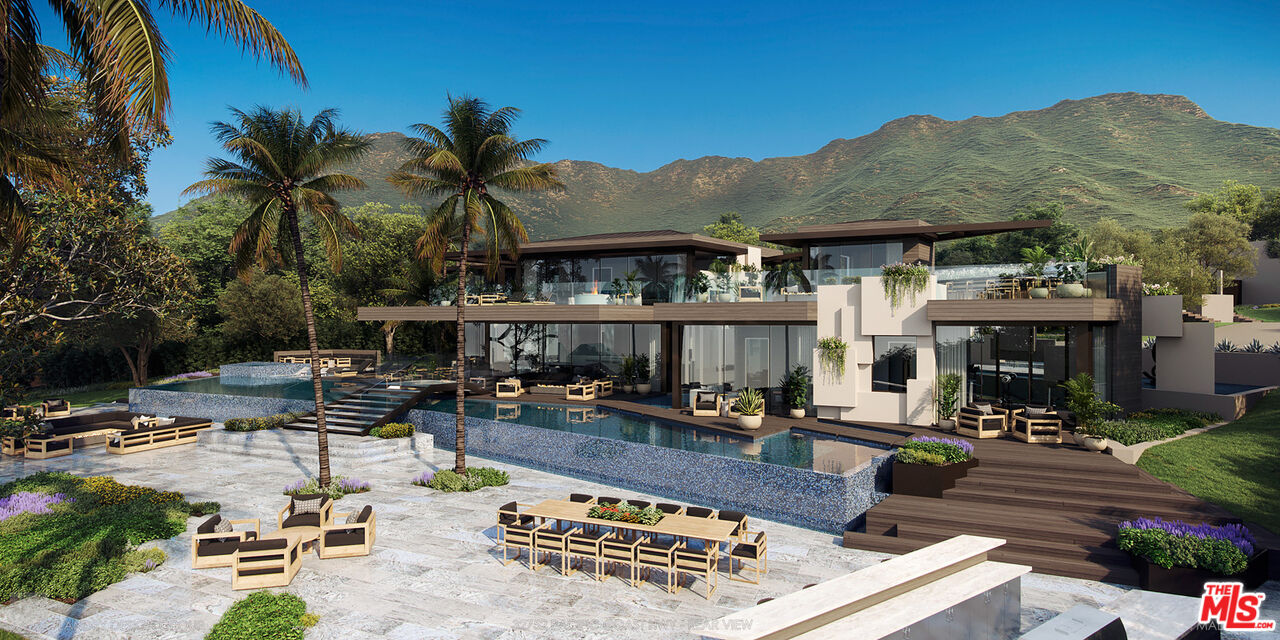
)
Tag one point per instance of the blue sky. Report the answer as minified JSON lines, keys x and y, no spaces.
{"x":639,"y":85}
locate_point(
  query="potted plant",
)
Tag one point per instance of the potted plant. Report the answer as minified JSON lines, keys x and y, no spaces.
{"x":723,"y":273}
{"x":699,"y":284}
{"x":750,"y":409}
{"x":1177,"y":557}
{"x":1089,"y":411}
{"x":628,"y":374}
{"x":948,"y":397}
{"x":831,"y":356}
{"x":901,"y":280}
{"x":633,"y":287}
{"x":926,"y":466}
{"x":643,"y":386}
{"x":1079,"y":256}
{"x":795,"y":390}
{"x":1036,"y":261}
{"x":616,"y":290}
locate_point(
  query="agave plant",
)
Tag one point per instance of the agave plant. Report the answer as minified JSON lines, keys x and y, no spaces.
{"x":1225,"y":345}
{"x":1275,"y":348}
{"x":750,"y":402}
{"x":1255,"y":346}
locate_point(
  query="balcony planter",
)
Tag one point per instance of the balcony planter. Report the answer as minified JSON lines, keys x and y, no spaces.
{"x":749,"y":423}
{"x":1091,"y":443}
{"x":1185,"y":581}
{"x":928,"y":481}
{"x":1071,"y":290}
{"x":797,"y":413}
{"x":1038,"y":292}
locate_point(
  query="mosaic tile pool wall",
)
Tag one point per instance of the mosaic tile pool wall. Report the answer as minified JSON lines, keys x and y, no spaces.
{"x":812,"y":499}
{"x":215,"y":407}
{"x":265,"y":370}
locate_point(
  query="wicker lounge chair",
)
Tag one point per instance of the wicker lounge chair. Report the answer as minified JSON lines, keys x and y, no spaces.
{"x":272,"y":562}
{"x":211,"y":548}
{"x":348,"y":539}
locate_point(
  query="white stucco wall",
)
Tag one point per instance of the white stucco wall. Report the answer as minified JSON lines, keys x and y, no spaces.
{"x":1186,"y":364}
{"x":1162,"y":316}
{"x":1219,"y":307}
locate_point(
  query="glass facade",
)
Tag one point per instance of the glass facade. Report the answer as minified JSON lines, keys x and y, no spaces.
{"x":1021,"y":364}
{"x":729,"y":358}
{"x":558,"y":279}
{"x":840,"y":262}
{"x":498,"y":349}
{"x":895,"y":363}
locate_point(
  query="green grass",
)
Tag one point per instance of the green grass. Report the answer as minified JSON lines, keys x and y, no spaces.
{"x":1236,"y":465}
{"x":9,"y":635}
{"x":264,"y":615}
{"x":87,"y":543}
{"x":1265,"y":315}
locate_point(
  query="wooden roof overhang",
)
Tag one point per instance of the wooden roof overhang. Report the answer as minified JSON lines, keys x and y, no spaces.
{"x":880,"y":229}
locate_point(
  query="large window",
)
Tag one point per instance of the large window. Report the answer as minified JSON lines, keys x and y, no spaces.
{"x":558,"y":279}
{"x":895,"y":363}
{"x":1021,"y":364}
{"x":848,"y":260}
{"x":732,"y":357}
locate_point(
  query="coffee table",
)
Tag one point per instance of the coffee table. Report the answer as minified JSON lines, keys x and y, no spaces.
{"x":305,"y":536}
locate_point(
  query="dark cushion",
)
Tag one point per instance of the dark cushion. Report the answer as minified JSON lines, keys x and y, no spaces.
{"x":302,"y":520}
{"x":705,"y":406}
{"x":604,"y":499}
{"x":745,"y":551}
{"x":343,"y":538}
{"x":579,"y":497}
{"x":264,"y":545}
{"x":587,"y":536}
{"x":208,"y":525}
{"x":261,"y":572}
{"x":666,"y":507}
{"x":735,"y":516}
{"x":365,"y":514}
{"x":217,"y":548}
{"x":660,"y":545}
{"x":639,"y":503}
{"x":698,"y":512}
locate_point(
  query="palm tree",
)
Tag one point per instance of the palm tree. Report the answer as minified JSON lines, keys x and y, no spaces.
{"x":475,"y":151}
{"x":116,"y":47}
{"x":285,"y":166}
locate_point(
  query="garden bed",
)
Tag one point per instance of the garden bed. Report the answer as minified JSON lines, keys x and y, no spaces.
{"x":1172,"y":556}
{"x":926,"y":466}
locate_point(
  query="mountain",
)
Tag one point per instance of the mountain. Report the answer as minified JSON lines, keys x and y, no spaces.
{"x":1135,"y":157}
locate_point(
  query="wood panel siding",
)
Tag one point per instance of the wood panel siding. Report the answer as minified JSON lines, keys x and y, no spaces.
{"x":1125,"y":282}
{"x":1046,"y":311}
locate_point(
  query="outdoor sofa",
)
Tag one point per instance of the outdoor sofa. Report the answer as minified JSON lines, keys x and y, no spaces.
{"x":59,"y":438}
{"x":983,"y":420}
{"x":166,"y":432}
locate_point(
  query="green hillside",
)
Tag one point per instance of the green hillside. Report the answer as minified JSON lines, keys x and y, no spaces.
{"x":1131,"y":156}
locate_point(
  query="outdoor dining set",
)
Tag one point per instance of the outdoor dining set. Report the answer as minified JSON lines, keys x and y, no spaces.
{"x":307,"y":523}
{"x":686,"y":541}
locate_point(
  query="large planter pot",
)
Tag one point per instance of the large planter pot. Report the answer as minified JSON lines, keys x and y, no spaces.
{"x":1071,"y":290}
{"x":644,"y":389}
{"x":1038,"y":292}
{"x":750,"y":423}
{"x":797,"y":413}
{"x":628,"y":388}
{"x":947,"y":424}
{"x":1185,"y":581}
{"x":1091,"y":443}
{"x":702,"y":297}
{"x":928,"y":481}
{"x":634,"y":301}
{"x":724,"y":297}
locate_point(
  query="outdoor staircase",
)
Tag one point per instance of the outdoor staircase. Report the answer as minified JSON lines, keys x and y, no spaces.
{"x":358,"y":413}
{"x":1057,"y":506}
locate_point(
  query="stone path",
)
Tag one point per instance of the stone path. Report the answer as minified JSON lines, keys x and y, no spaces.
{"x":434,"y":572}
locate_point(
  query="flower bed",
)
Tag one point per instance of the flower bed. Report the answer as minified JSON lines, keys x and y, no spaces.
{"x":392,"y":430}
{"x":926,"y":466}
{"x":623,"y":512}
{"x":1177,"y":557}
{"x":338,"y":486}
{"x":448,"y":481}
{"x":259,"y":424}
{"x":68,"y":537}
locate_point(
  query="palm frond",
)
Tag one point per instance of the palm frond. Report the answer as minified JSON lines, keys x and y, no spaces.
{"x":239,"y":23}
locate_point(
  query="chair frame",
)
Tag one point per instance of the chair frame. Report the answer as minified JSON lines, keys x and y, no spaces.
{"x":584,"y":549}
{"x":1024,"y":428}
{"x":648,"y":559}
{"x":13,"y":445}
{"x":210,"y":562}
{"x":370,"y":527}
{"x":553,"y":537}
{"x":44,"y":406}
{"x":604,"y":388}
{"x":326,"y":514}
{"x":699,"y":562}
{"x":615,"y":550}
{"x":706,"y":412}
{"x":502,"y":535}
{"x":580,"y":392}
{"x":508,"y":389}
{"x":256,"y":560}
{"x":761,"y":561}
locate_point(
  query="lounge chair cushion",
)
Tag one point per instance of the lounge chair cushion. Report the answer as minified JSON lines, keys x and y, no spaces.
{"x":734,"y":516}
{"x":698,"y":512}
{"x":352,"y":518}
{"x":365,"y":514}
{"x":705,"y":406}
{"x":223,"y":526}
{"x":264,"y":545}
{"x":217,"y":547}
{"x":343,"y":538}
{"x":302,"y":520}
{"x":307,"y":503}
{"x":208,"y":526}
{"x":1036,"y":412}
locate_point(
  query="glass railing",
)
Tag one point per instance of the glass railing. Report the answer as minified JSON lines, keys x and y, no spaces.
{"x":1011,"y":282}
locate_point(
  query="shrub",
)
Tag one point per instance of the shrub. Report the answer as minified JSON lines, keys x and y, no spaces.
{"x":143,"y":560}
{"x":1154,"y":424}
{"x":448,"y":481}
{"x":264,"y":616}
{"x":108,"y":491}
{"x":951,"y":450}
{"x":204,"y":508}
{"x":260,"y":424}
{"x":338,"y":486}
{"x":916,"y":456}
{"x":1224,"y":550}
{"x":393,"y":430}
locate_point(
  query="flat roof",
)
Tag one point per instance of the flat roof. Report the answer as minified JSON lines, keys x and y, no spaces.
{"x":870,"y":229}
{"x":658,"y":239}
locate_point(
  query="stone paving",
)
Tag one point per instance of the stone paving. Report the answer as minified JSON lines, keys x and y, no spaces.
{"x":434,"y":572}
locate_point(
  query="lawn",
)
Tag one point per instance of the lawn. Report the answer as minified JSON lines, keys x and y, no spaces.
{"x":1265,"y":315}
{"x":66,"y":537}
{"x":1236,"y":465}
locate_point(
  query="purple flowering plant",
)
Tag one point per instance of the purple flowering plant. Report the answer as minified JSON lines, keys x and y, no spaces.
{"x":1222,"y":549}
{"x":950,"y":450}
{"x":423,"y":479}
{"x":29,"y":502}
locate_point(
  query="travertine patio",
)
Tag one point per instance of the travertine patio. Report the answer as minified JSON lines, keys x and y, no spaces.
{"x":433,"y":573}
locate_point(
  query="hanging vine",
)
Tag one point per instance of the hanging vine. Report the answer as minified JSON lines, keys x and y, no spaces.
{"x":831,"y":353}
{"x":902,"y":280}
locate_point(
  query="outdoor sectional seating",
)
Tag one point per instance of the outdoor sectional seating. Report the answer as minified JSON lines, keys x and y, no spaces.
{"x":163,"y":433}
{"x":348,"y":539}
{"x":211,"y":548}
{"x":133,"y":431}
{"x":272,"y":562}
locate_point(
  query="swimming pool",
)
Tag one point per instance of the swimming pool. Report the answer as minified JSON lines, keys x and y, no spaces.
{"x":802,"y":450}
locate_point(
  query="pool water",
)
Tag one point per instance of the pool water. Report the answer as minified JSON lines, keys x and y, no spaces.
{"x":801,"y":450}
{"x":262,"y":387}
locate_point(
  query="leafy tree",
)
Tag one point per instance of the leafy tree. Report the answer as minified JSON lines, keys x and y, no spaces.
{"x":384,"y":251}
{"x":1006,"y":248}
{"x":261,"y":308}
{"x":286,"y":165}
{"x":1267,"y":225}
{"x":201,"y":231}
{"x":730,"y":227}
{"x":116,"y":48}
{"x":1110,"y":238}
{"x":419,"y":286}
{"x":474,"y":151}
{"x":1221,"y":243}
{"x":1233,"y":199}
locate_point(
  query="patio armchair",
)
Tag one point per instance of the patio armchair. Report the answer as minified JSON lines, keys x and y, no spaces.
{"x":298,"y":515}
{"x":272,"y":562}
{"x":706,"y":403}
{"x":735,"y":516}
{"x":754,"y":551}
{"x":982,"y":420}
{"x":582,"y":497}
{"x":584,"y":545}
{"x":213,"y":545}
{"x":604,"y":388}
{"x":56,"y":407}
{"x":668,"y":508}
{"x":352,"y":537}
{"x":1038,"y":425}
{"x":509,"y":388}
{"x":618,"y":550}
{"x":699,"y":563}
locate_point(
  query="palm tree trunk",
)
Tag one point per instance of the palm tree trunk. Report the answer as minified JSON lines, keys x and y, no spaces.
{"x":322,"y":432}
{"x":460,"y":428}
